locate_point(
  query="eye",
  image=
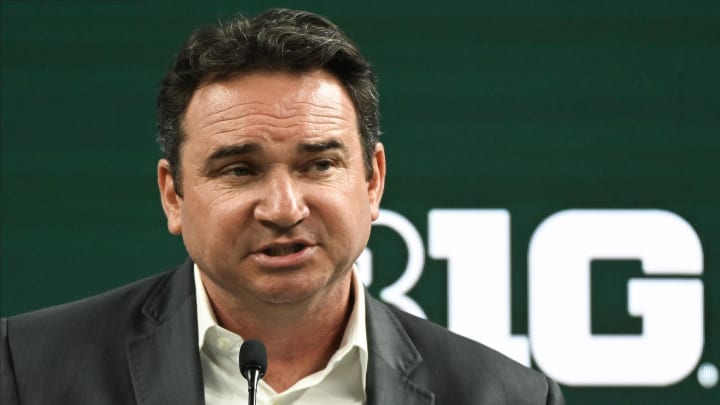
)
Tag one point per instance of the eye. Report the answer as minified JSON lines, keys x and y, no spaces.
{"x":322,"y":165}
{"x":239,"y":171}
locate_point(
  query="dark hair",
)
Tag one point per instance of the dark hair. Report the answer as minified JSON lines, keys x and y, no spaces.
{"x":277,"y":40}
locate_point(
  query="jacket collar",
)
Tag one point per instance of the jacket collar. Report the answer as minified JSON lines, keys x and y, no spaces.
{"x":393,"y":358}
{"x":164,"y":362}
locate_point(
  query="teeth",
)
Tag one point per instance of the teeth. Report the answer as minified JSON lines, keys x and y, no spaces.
{"x":284,"y":250}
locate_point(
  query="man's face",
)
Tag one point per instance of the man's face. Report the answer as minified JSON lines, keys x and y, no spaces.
{"x":276,"y":203}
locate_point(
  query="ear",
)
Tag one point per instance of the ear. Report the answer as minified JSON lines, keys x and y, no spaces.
{"x":376,"y":185}
{"x":171,"y":202}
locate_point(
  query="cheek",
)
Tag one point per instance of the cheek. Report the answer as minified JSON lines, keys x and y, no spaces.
{"x":210,"y":231}
{"x":345,"y":202}
{"x":209,"y":202}
{"x":347,"y":216}
{"x":204,"y":218}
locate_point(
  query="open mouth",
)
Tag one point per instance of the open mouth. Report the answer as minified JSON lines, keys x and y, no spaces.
{"x":284,"y":250}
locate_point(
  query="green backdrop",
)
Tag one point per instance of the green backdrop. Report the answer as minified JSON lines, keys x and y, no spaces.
{"x":529,"y":106}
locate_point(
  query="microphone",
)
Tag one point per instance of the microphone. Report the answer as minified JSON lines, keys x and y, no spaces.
{"x":253,"y":365}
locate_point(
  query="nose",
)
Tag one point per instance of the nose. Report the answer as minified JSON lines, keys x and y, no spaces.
{"x":282,"y":204}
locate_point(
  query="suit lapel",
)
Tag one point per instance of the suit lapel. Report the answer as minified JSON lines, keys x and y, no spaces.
{"x":165,"y":363}
{"x":393,"y":358}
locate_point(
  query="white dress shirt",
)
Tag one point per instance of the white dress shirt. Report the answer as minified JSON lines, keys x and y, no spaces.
{"x":341,"y":382}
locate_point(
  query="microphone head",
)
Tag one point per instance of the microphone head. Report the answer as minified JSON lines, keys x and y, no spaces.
{"x":253,"y":356}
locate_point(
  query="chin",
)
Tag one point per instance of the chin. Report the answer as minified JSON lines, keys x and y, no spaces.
{"x":287,"y":297}
{"x":295,"y":290}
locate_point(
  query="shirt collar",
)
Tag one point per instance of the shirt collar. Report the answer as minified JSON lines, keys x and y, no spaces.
{"x":205,"y":314}
{"x":355,"y":332}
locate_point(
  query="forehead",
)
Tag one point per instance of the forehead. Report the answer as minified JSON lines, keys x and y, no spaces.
{"x":270,"y":104}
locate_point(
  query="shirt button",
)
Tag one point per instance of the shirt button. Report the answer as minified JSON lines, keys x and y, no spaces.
{"x":223,"y":343}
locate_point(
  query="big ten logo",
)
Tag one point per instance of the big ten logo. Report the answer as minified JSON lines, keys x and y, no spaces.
{"x":475,"y":244}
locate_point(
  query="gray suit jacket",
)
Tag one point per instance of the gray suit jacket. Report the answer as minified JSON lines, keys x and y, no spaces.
{"x":138,"y":345}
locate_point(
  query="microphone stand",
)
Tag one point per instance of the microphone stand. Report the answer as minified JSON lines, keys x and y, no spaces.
{"x":253,"y":378}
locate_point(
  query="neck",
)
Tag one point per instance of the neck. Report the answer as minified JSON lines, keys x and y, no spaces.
{"x":300,"y":338}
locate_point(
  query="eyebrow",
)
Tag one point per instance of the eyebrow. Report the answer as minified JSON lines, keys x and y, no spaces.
{"x":234,"y":150}
{"x":248,"y":148}
{"x":323,"y":146}
{"x":229,"y":151}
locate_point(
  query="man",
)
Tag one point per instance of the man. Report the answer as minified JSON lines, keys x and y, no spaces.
{"x":272,"y":174}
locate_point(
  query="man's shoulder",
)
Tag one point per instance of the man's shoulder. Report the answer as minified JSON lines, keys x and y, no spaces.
{"x":80,"y":350}
{"x":471,"y":369}
{"x":433,"y":340}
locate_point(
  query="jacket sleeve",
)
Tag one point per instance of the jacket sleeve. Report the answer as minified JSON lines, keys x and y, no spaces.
{"x":8,"y":388}
{"x":555,"y":396}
